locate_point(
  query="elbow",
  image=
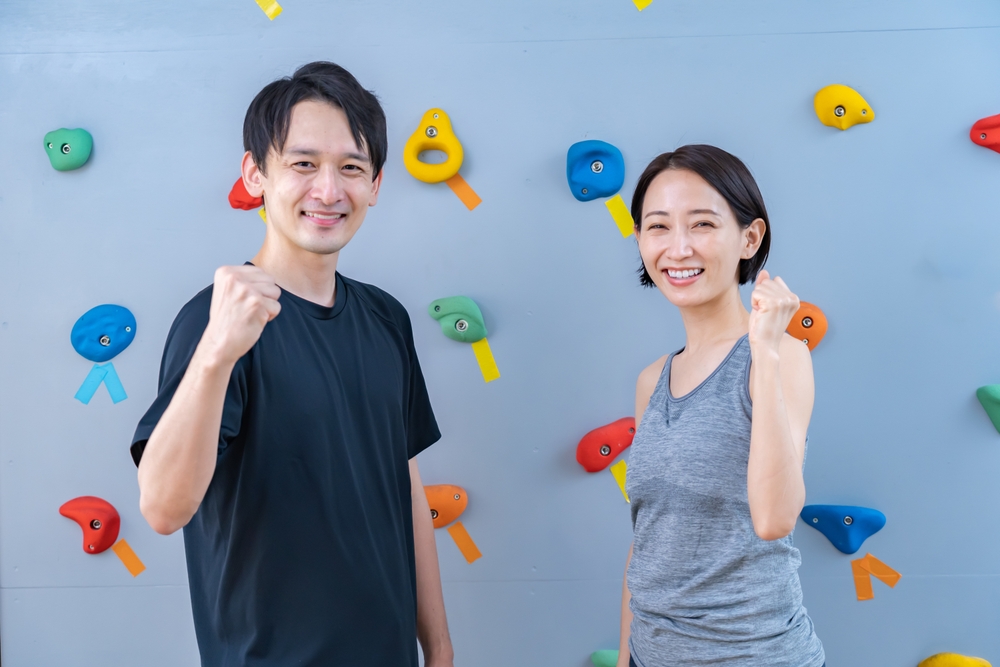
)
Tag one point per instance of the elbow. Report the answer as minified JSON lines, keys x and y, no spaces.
{"x":773,"y":528}
{"x":159,"y":518}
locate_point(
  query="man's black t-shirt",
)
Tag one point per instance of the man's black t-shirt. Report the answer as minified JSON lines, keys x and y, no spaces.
{"x":301,"y":552}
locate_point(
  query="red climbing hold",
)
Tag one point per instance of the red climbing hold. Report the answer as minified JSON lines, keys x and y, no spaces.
{"x":240,"y":198}
{"x":986,"y":133}
{"x":97,"y":517}
{"x":599,"y":448}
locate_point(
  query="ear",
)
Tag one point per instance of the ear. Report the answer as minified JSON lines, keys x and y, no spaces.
{"x":376,"y":185}
{"x":253,"y":180}
{"x":752,"y":238}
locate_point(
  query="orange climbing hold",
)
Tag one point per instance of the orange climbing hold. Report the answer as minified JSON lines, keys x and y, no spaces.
{"x":240,"y":198}
{"x":97,"y":517}
{"x":447,"y":503}
{"x":808,"y":325}
{"x":599,"y":448}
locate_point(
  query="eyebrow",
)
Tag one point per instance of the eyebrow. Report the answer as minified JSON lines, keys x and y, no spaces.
{"x":313,"y":153}
{"x":696,"y":211}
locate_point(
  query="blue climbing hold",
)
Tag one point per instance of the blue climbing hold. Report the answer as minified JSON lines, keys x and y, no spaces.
{"x":847,"y":527}
{"x":103,"y":332}
{"x":594,"y":169}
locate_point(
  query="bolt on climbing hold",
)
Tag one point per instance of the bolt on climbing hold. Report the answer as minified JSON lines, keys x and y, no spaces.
{"x":598,"y":448}
{"x":986,"y":133}
{"x":842,"y":107}
{"x":461,"y":320}
{"x":447,"y":503}
{"x":435,"y":133}
{"x":594,"y":169}
{"x":989,"y":398}
{"x":808,"y":324}
{"x":846,"y":526}
{"x":99,"y":335}
{"x":98,"y":519}
{"x":68,"y":149}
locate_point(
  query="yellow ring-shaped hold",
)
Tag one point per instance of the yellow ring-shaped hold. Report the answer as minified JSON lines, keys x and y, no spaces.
{"x":444,"y":140}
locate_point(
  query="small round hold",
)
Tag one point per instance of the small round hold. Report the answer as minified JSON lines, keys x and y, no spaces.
{"x":605,"y":450}
{"x":597,"y":166}
{"x":864,"y":112}
{"x":815,"y":520}
{"x":50,"y":143}
{"x":128,"y":329}
{"x":91,"y":547}
{"x":66,"y":148}
{"x":583,"y":190}
{"x":805,"y":340}
{"x":437,"y":115}
{"x":839,"y":111}
{"x":848,"y":520}
{"x":96,"y":524}
{"x":431,"y":131}
{"x":458,"y":496}
{"x":461,"y":325}
{"x":105,"y":340}
{"x":437,"y":309}
{"x":982,"y":136}
{"x":807,"y":322}
{"x":631,"y":430}
{"x":434,"y":514}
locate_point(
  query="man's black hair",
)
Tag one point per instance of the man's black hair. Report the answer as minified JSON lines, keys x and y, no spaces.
{"x":729,"y":177}
{"x":267,"y":119}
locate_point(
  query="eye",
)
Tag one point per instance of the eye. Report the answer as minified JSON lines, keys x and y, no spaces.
{"x":303,"y":165}
{"x":703,"y":223}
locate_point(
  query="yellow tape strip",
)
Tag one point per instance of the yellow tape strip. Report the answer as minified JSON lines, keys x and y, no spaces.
{"x":464,"y":541}
{"x":642,"y":4}
{"x":619,"y":470}
{"x":487,"y":364}
{"x":128,"y":557}
{"x":270,"y":7}
{"x":464,"y":191}
{"x":623,"y":217}
{"x":262,"y":213}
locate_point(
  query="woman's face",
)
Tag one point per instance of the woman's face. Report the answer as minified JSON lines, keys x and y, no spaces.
{"x":689,"y":240}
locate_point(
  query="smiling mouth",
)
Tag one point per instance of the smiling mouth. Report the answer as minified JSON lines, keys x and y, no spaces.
{"x":324,"y":218}
{"x":685,"y":273}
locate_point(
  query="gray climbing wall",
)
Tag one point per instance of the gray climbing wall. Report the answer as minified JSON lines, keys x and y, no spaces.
{"x":892,"y":228}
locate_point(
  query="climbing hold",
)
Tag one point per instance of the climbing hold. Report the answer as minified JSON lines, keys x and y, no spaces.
{"x":68,"y":149}
{"x":240,"y":198}
{"x":447,"y":502}
{"x":460,"y":318}
{"x":598,"y":449}
{"x":594,"y":169}
{"x":808,"y":324}
{"x":97,"y":517}
{"x":847,"y":527}
{"x":953,"y":660}
{"x":842,"y":107}
{"x":103,"y":332}
{"x":433,"y":134}
{"x":989,"y":398}
{"x":605,"y":658}
{"x":986,"y":133}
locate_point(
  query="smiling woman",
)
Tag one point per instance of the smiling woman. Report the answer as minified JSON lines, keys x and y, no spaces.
{"x":715,"y":474}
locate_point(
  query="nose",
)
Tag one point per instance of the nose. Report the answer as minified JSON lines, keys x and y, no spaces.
{"x":326,"y":186}
{"x":679,"y":243}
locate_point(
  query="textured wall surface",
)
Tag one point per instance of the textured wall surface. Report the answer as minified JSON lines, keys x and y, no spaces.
{"x":892,"y":228}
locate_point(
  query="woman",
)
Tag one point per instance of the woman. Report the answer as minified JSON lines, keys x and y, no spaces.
{"x":715,"y":470}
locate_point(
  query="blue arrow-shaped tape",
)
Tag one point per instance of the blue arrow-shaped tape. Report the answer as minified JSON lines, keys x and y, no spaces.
{"x":107,"y":374}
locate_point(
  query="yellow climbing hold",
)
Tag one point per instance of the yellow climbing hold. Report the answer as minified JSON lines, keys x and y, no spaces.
{"x":842,"y":107}
{"x":433,"y":134}
{"x":953,"y":660}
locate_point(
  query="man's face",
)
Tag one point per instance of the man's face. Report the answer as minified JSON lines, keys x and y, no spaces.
{"x":318,"y":189}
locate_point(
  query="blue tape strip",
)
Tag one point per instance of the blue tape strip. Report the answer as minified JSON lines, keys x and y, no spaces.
{"x":114,"y":384}
{"x":93,"y":380}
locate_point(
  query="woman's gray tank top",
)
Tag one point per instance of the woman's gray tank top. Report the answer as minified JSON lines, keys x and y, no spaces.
{"x":705,"y":589}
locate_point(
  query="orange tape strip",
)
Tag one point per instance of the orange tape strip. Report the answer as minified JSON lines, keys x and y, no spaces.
{"x":128,"y":557}
{"x":464,"y":541}
{"x":881,"y":571}
{"x":464,"y":191}
{"x":862,"y":580}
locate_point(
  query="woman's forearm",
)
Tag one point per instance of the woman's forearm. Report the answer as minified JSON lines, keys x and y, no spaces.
{"x":775,"y":488}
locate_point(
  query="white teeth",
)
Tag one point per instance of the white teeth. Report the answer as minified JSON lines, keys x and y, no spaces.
{"x":321,"y":216}
{"x":686,"y":273}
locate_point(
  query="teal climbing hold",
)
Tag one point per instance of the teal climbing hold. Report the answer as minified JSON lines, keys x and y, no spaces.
{"x":846,"y":526}
{"x":460,"y":318}
{"x":604,"y":658}
{"x":989,"y":397}
{"x":68,"y":149}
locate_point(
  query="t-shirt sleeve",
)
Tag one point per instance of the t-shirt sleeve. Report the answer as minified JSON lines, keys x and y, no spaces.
{"x":183,"y":338}
{"x":421,"y":426}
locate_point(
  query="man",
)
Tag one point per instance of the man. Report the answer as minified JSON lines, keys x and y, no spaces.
{"x":291,"y":406}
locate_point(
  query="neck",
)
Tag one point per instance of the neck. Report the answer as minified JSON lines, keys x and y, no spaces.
{"x":722,"y":319}
{"x":305,"y":274}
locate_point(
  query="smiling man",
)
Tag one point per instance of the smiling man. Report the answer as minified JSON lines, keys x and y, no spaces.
{"x":290,"y":410}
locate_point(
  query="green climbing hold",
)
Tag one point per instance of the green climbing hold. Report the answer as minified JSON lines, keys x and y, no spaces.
{"x":460,"y":318}
{"x":989,"y":397}
{"x":68,"y":149}
{"x":606,"y":658}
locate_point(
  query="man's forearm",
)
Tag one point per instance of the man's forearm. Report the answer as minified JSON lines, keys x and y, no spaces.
{"x":179,"y":458}
{"x":432,"y":623}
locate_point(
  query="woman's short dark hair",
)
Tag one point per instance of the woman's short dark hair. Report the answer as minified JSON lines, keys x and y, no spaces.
{"x":729,"y":177}
{"x":267,"y":119}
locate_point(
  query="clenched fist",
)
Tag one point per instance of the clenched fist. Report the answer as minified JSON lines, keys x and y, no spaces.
{"x":773,"y":306}
{"x":244,"y":300}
